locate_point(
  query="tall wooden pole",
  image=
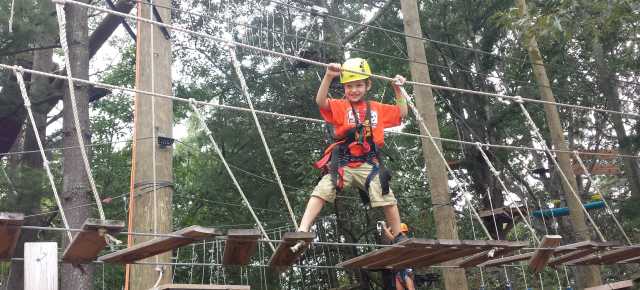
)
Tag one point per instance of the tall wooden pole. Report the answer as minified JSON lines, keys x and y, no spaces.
{"x":586,"y":275}
{"x":151,"y":211}
{"x":446,"y":228}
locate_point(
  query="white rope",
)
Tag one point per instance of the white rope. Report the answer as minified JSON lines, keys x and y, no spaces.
{"x":598,"y":191}
{"x":275,"y":53}
{"x":13,"y":3}
{"x":62,"y":25}
{"x":496,"y":174}
{"x":538,"y":135}
{"x":312,"y":120}
{"x":495,"y":225}
{"x":245,"y":92}
{"x":205,"y":128}
{"x":45,"y":161}
{"x":437,"y":148}
{"x":515,"y":234}
{"x":9,"y":182}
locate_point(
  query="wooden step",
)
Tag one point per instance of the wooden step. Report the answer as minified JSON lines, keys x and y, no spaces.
{"x":200,"y":287}
{"x":160,"y":245}
{"x":542,"y":255}
{"x":570,"y":252}
{"x":86,"y":245}
{"x":627,"y":284}
{"x":484,"y":256}
{"x":417,"y":253}
{"x":284,"y":257}
{"x":240,"y":245}
{"x":9,"y":233}
{"x":609,"y":257}
{"x":505,"y":260}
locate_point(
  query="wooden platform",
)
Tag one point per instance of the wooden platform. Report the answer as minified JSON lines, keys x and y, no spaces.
{"x":283,"y":257}
{"x":200,"y":287}
{"x":609,"y":257}
{"x":541,"y":256}
{"x":627,"y":284}
{"x":86,"y":245}
{"x":240,"y":246}
{"x":9,"y":233}
{"x":571,"y":252}
{"x":160,"y":245}
{"x":419,"y":253}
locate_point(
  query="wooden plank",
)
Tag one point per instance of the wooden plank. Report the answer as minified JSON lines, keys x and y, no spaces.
{"x":9,"y":233}
{"x":431,"y":248}
{"x":41,"y":266}
{"x":370,"y":257}
{"x":448,"y":250}
{"x":284,"y":256}
{"x":241,"y":244}
{"x":447,"y":255}
{"x":542,"y":255}
{"x":86,"y":245}
{"x":627,"y":284}
{"x":609,"y":257}
{"x":571,"y":256}
{"x":506,"y":260}
{"x":201,"y":287}
{"x":160,"y":245}
{"x":482,"y":257}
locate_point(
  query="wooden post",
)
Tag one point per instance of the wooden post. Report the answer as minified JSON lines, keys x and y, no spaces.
{"x":446,"y":226}
{"x":588,"y":275}
{"x":152,"y":211}
{"x":41,"y":266}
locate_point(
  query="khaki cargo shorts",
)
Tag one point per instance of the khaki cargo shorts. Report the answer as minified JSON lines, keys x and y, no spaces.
{"x":355,"y":177}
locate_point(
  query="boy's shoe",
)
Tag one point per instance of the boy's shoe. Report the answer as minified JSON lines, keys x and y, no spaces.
{"x":399,"y":238}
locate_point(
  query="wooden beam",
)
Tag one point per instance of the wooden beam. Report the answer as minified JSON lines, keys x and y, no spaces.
{"x":483,"y":257}
{"x":570,"y":252}
{"x":9,"y":233}
{"x":40,"y":266}
{"x":284,"y":256}
{"x":542,"y":255}
{"x":627,"y":284}
{"x":451,"y":250}
{"x":160,"y":245}
{"x":86,"y":245}
{"x":201,"y":287}
{"x":609,"y":257}
{"x":240,"y":246}
{"x":506,"y":260}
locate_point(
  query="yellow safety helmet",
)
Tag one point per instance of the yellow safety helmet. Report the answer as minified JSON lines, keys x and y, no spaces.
{"x":357,"y":65}
{"x":404,"y":228}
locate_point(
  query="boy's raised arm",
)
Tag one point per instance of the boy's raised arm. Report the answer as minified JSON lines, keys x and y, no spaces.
{"x":401,"y":100}
{"x":333,"y":70}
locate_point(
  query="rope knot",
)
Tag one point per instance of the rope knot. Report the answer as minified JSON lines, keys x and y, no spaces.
{"x":518,"y":99}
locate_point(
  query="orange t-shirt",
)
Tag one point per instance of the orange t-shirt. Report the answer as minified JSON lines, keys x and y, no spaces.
{"x":340,"y":115}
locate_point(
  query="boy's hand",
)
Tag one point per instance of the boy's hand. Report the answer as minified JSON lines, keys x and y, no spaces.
{"x":398,"y":80}
{"x":333,"y":70}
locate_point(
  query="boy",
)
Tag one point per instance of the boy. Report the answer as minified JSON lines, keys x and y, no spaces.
{"x":354,"y":160}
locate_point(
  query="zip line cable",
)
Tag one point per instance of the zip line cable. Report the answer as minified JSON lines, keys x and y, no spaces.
{"x":537,"y":133}
{"x":205,"y":128}
{"x":301,"y":59}
{"x":602,"y":196}
{"x":62,"y":27}
{"x":245,"y":92}
{"x":45,"y":161}
{"x":307,"y":119}
{"x":441,"y":67}
{"x":425,"y":39}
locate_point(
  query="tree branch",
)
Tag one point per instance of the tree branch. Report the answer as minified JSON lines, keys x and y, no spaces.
{"x":351,"y":35}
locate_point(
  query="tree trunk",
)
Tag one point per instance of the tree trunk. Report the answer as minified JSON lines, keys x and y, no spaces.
{"x":586,"y":276}
{"x":608,"y":85}
{"x":76,"y":189}
{"x":446,"y":228}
